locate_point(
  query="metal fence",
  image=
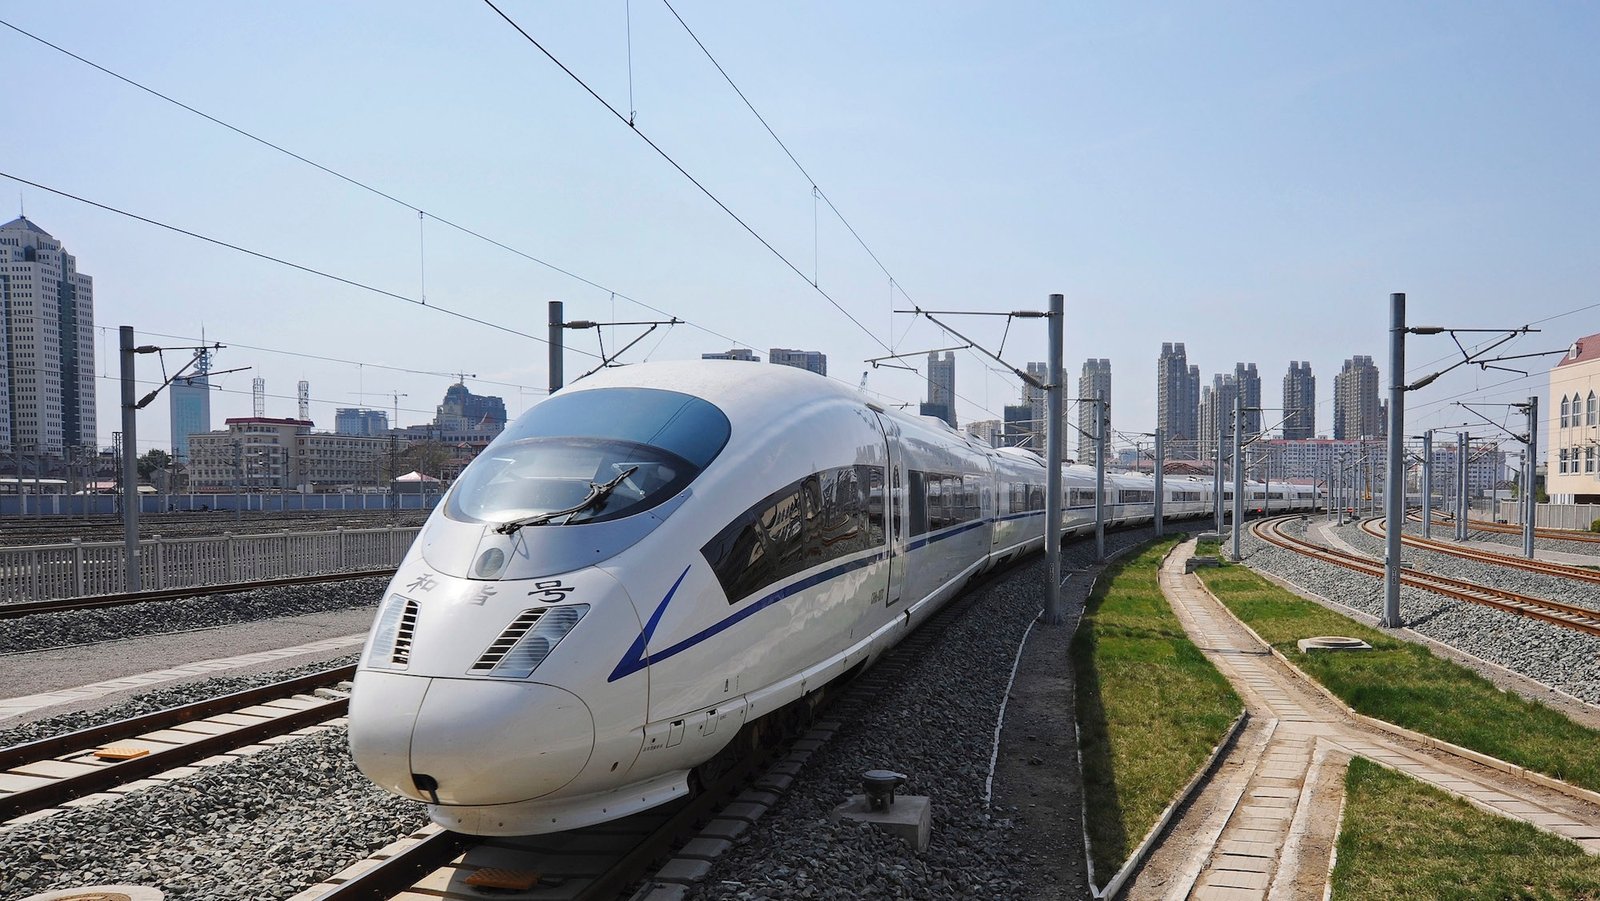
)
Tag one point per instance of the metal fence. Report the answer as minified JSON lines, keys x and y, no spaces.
{"x":85,"y":568}
{"x":1554,"y":516}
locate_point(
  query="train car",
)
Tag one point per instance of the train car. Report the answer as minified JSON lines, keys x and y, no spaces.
{"x":648,"y":561}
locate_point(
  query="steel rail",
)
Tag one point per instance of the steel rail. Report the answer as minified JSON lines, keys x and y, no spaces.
{"x":1375,"y":528}
{"x":28,"y":608}
{"x":110,"y":775}
{"x":1512,"y":529}
{"x":1567,"y":616}
{"x":394,"y":872}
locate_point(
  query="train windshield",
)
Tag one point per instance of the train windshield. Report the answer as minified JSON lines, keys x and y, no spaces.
{"x":591,"y":456}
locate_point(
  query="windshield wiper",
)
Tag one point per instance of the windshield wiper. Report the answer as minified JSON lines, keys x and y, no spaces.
{"x":597,"y":494}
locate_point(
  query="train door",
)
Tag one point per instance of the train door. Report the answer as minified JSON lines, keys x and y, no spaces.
{"x":895,"y":520}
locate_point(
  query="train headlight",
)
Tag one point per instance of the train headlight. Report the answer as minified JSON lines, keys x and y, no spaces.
{"x":528,"y":641}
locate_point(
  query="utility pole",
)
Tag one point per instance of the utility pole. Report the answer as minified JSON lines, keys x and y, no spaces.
{"x":1461,"y":485}
{"x":1395,"y":488}
{"x":1101,"y":437}
{"x":1238,"y":473}
{"x":1531,"y":476}
{"x":130,"y":463}
{"x":1427,"y":484}
{"x":557,"y":351}
{"x":1053,"y":439}
{"x":1216,"y":480}
{"x":1161,"y":472}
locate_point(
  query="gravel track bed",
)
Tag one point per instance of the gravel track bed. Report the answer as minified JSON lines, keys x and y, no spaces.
{"x":1552,"y":588}
{"x":76,"y":627}
{"x":272,"y":824}
{"x":1446,"y":532}
{"x":938,"y":727}
{"x":264,"y":827}
{"x":160,"y":699}
{"x":1569,"y":661}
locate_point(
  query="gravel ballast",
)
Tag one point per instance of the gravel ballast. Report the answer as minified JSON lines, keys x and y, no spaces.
{"x":1557,"y":657}
{"x":271,"y":824}
{"x":78,"y":627}
{"x":1539,"y":585}
{"x":937,"y":726}
{"x":263,"y":827}
{"x":160,"y":699}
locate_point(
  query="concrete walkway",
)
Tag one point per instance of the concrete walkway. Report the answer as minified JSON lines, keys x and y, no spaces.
{"x":11,"y":707}
{"x":1259,"y":831}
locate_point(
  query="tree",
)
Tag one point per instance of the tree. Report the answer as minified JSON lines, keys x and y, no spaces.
{"x":153,"y":460}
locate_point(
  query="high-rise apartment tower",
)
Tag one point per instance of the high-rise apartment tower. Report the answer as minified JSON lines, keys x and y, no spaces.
{"x":1095,"y":382}
{"x":1356,"y":411}
{"x":1299,"y":402}
{"x":1249,"y":382}
{"x":47,"y":387}
{"x":1177,"y":400}
{"x":942,"y":386}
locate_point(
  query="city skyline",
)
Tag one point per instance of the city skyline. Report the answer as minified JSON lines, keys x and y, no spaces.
{"x":1288,"y":246}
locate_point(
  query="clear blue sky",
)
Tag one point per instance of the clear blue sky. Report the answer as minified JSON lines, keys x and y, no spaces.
{"x":1252,"y":179}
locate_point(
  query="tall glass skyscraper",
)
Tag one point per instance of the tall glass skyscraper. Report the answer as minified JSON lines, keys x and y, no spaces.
{"x":189,"y":405}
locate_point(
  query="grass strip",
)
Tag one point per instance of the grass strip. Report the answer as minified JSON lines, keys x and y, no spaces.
{"x":1402,"y":838}
{"x":1150,"y":706}
{"x":1404,"y":683}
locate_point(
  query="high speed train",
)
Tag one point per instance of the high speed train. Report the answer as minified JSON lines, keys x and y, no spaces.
{"x":648,"y":561}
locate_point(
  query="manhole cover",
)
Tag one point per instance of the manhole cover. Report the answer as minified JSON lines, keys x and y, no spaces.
{"x":1332,"y":643}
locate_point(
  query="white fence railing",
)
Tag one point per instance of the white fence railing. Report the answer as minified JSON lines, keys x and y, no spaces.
{"x":85,"y":568}
{"x":1554,"y":516}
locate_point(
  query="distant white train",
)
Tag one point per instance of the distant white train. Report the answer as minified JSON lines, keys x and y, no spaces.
{"x":647,"y":561}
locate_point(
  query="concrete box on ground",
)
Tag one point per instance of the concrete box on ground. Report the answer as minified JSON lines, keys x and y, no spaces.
{"x":909,"y":818}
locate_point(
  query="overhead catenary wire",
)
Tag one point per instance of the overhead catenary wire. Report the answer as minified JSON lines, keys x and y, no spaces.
{"x":311,"y":270}
{"x":428,"y":214}
{"x":685,"y":173}
{"x":327,"y":359}
{"x":370,"y":188}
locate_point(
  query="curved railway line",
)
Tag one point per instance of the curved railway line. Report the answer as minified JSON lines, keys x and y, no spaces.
{"x":1510,"y":529}
{"x":1375,"y":528}
{"x":28,"y":608}
{"x":45,"y":774}
{"x":1567,"y":616}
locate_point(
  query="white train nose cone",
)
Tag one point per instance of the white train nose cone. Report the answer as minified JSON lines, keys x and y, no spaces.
{"x":383,"y":711}
{"x":483,"y":741}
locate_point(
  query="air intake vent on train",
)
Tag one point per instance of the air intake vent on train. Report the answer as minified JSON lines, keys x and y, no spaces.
{"x":528,"y":641}
{"x":508,"y":639}
{"x":401,"y":655}
{"x":392,"y":636}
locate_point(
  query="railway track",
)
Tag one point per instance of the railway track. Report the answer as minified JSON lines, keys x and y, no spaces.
{"x":27,"y":608}
{"x":41,"y":776}
{"x":1375,"y":528}
{"x":1567,"y":616}
{"x":609,"y":860}
{"x":1510,"y":529}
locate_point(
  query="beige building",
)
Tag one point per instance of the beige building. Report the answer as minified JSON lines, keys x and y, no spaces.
{"x":46,"y":344}
{"x":1572,"y":467}
{"x":259,"y":453}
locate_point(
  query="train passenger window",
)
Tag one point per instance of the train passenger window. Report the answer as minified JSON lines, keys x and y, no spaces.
{"x":916,"y":502}
{"x":819,"y":518}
